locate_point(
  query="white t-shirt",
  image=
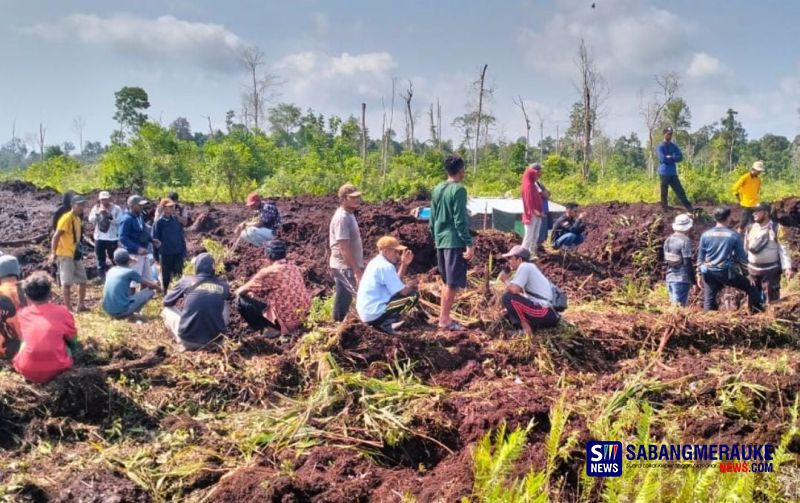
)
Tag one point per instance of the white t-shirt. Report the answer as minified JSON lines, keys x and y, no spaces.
{"x":113,"y":230}
{"x":531,"y":280}
{"x":379,"y":284}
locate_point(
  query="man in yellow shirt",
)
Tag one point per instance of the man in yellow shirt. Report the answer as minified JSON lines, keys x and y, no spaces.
{"x":67,"y":250}
{"x":746,"y":190}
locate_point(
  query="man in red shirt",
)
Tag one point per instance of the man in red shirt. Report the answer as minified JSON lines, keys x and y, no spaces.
{"x":276,"y":298}
{"x":532,"y":208}
{"x":48,"y":333}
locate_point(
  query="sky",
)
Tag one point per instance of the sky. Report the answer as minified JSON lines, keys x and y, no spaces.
{"x":66,"y":59}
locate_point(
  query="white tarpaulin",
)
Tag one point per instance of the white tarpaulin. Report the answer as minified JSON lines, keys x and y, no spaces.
{"x":481,"y":205}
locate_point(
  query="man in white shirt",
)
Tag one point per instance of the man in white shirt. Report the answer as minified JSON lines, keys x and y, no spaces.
{"x":105,"y":216}
{"x":529,"y":294}
{"x":382,"y":296}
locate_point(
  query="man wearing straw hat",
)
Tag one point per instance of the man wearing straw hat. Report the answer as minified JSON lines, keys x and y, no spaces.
{"x":747,"y":189}
{"x":678,"y":256}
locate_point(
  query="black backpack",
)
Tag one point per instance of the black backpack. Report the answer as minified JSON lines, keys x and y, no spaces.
{"x":104,"y":221}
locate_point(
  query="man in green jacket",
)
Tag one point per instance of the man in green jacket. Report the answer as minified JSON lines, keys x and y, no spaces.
{"x":449,"y":224}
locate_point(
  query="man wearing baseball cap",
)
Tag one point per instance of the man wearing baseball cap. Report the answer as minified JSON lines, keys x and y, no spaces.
{"x":528,"y":298}
{"x":117,"y":299}
{"x":67,"y":249}
{"x":171,"y":253}
{"x":746,"y":189}
{"x":134,"y":237}
{"x":767,"y":253}
{"x":383,"y":297}
{"x":668,"y":156}
{"x":678,"y":256}
{"x":347,"y":250}
{"x":260,"y":230}
{"x":105,"y":216}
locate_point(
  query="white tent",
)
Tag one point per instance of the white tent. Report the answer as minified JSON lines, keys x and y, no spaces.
{"x":482,"y":205}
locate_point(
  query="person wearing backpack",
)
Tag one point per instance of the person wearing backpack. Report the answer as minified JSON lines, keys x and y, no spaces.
{"x":205,"y":313}
{"x":678,"y":256}
{"x":105,"y":216}
{"x":767,"y":254}
{"x":530,"y":299}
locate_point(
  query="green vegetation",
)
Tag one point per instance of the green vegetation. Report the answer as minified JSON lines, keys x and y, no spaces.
{"x":312,"y":154}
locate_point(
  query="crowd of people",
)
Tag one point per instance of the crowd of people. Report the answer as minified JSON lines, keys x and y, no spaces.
{"x":134,"y":244}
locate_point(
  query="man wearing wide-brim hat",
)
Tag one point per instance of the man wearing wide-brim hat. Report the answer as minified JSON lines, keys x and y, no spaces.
{"x":678,"y":257}
{"x":747,"y":189}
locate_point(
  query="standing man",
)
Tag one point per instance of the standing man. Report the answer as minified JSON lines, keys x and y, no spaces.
{"x":449,"y":225}
{"x":668,"y":155}
{"x":767,"y":254}
{"x":347,"y":251}
{"x":134,"y":238}
{"x":105,"y":216}
{"x":720,"y":257}
{"x":66,"y":247}
{"x":532,"y":208}
{"x":747,"y":189}
{"x":171,"y":252}
{"x":678,"y":256}
{"x":382,"y":296}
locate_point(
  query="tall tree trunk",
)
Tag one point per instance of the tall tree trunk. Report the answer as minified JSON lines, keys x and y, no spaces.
{"x":478,"y":120}
{"x":364,"y":133}
{"x":42,"y":131}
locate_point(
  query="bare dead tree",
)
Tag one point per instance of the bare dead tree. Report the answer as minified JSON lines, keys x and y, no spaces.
{"x":439,"y":122}
{"x":667,"y":85}
{"x":481,"y":89}
{"x":541,"y":136}
{"x":593,"y":93}
{"x":78,"y":124}
{"x":385,"y":154}
{"x":260,"y":88}
{"x":521,"y":104}
{"x":42,"y":131}
{"x":210,"y":129}
{"x":407,"y":95}
{"x":432,"y":125}
{"x":364,"y":133}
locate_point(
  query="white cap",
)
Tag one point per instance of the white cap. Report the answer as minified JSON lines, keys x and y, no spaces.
{"x":104,"y":195}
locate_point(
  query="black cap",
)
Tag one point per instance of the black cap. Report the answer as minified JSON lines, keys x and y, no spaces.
{"x":668,"y":129}
{"x":762,"y":207}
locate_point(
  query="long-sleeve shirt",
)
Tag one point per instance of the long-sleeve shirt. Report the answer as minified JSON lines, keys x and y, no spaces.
{"x":132,"y":234}
{"x":449,"y":221}
{"x":747,"y":188}
{"x":203,"y":316}
{"x":668,"y":155}
{"x":720,"y":248}
{"x":773,"y":254}
{"x":678,"y":255}
{"x":564,"y":224}
{"x":170,"y":232}
{"x":531,"y":197}
{"x":112,"y":234}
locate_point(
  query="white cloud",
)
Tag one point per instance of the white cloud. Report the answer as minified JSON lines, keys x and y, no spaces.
{"x":626,"y":38}
{"x":314,"y":76}
{"x":704,"y":65}
{"x":209,"y":45}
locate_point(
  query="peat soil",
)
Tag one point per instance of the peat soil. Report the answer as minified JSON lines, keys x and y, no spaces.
{"x":491,"y":376}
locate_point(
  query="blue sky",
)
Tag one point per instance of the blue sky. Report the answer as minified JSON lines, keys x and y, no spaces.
{"x":64,"y":59}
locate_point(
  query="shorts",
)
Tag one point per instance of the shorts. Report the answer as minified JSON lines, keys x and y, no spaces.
{"x":452,"y":266}
{"x":71,"y":271}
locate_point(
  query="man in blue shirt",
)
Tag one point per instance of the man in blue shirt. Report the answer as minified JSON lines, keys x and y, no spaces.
{"x":382,"y":295}
{"x":668,"y":155}
{"x":171,"y":253}
{"x":117,"y":299}
{"x":720,"y":258}
{"x":133,"y":236}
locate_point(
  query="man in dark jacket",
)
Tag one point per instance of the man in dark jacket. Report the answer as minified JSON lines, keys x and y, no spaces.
{"x":169,"y":231}
{"x":720,"y":259}
{"x":569,"y":228}
{"x":134,"y":238}
{"x":668,"y":156}
{"x":205,"y":310}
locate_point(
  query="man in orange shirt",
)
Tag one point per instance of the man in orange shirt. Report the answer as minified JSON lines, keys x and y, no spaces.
{"x":11,"y":300}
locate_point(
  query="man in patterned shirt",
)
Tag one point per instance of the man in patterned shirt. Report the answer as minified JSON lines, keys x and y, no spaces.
{"x":261,"y":229}
{"x":276,"y":298}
